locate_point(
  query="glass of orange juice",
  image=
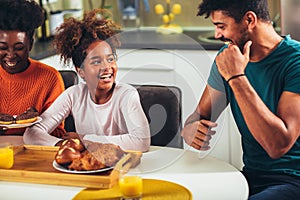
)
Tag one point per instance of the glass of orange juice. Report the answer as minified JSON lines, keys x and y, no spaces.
{"x":131,"y":187}
{"x":6,"y":156}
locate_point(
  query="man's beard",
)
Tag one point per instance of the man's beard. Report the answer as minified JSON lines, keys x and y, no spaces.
{"x":243,"y":39}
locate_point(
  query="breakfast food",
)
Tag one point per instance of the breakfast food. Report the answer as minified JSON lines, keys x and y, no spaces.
{"x":29,"y":116}
{"x":68,"y":151}
{"x":94,"y":156}
{"x":98,"y":156}
{"x":86,"y":163}
{"x":74,"y":143}
{"x":66,"y":155}
{"x":6,"y":119}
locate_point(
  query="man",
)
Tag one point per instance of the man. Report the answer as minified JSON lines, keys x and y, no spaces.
{"x":258,"y":73}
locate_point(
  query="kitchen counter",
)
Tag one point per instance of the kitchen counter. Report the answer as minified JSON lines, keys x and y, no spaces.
{"x":142,"y":39}
{"x":42,"y":49}
{"x":188,"y":40}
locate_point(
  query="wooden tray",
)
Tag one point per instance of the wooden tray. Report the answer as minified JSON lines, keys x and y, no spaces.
{"x":33,"y":164}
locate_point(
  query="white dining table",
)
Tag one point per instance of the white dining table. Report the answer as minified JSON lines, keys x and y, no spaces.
{"x":207,"y":178}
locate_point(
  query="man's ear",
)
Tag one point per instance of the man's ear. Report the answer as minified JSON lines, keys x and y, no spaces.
{"x":251,"y":19}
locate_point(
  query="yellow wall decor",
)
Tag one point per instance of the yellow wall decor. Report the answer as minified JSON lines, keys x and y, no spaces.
{"x":167,"y":16}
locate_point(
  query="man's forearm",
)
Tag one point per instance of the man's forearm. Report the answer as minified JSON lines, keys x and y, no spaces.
{"x":195,"y":117}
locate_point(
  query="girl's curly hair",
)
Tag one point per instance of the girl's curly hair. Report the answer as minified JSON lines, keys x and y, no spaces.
{"x":74,"y":36}
{"x":22,"y":15}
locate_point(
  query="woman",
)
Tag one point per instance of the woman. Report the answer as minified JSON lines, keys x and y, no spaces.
{"x":24,"y":82}
{"x":104,"y":110}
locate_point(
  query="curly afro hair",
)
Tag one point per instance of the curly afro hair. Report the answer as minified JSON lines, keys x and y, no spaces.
{"x":22,"y":15}
{"x":74,"y":36}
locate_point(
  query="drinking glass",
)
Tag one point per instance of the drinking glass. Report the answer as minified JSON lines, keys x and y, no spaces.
{"x":131,"y":187}
{"x":6,"y":155}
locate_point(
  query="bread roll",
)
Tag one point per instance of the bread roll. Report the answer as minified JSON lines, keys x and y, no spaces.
{"x":66,"y":155}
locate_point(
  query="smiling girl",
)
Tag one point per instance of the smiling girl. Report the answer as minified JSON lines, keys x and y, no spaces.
{"x":103,"y":109}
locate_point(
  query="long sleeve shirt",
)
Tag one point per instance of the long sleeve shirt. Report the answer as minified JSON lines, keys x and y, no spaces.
{"x":121,"y":120}
{"x":38,"y":86}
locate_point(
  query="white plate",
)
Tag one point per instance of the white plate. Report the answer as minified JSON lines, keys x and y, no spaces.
{"x":63,"y":169}
{"x":10,"y":126}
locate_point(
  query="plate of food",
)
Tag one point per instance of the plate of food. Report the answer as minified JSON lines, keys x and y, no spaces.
{"x":26,"y":119}
{"x":75,"y":157}
{"x":65,"y":169}
{"x":21,"y":124}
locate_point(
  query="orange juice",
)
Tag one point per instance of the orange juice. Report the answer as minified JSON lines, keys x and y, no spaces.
{"x":131,"y":186}
{"x":6,"y":157}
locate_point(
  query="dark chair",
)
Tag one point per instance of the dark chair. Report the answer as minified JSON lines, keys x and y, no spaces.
{"x":162,"y":106}
{"x":70,"y":78}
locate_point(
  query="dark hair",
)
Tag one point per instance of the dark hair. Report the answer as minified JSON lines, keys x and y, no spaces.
{"x":22,"y":15}
{"x":74,"y":36}
{"x":235,"y":8}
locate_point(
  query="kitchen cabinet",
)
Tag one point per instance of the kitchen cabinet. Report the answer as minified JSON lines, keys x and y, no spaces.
{"x":192,"y":68}
{"x":186,"y":69}
{"x":146,"y":66}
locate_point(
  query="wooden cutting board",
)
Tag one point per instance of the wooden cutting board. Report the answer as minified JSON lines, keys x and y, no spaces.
{"x":33,"y":164}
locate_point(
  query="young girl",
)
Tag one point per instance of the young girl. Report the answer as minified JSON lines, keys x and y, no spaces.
{"x":103,"y":109}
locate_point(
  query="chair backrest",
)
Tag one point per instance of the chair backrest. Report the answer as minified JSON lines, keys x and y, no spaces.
{"x":70,"y":78}
{"x":162,"y":106}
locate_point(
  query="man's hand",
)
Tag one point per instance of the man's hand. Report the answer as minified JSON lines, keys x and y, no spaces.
{"x":199,"y":133}
{"x":232,"y":61}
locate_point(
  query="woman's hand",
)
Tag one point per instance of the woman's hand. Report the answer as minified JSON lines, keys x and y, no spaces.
{"x":199,"y":133}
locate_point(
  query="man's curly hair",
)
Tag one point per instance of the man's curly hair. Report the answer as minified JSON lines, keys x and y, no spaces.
{"x":22,"y":15}
{"x":74,"y":36}
{"x":235,"y":8}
